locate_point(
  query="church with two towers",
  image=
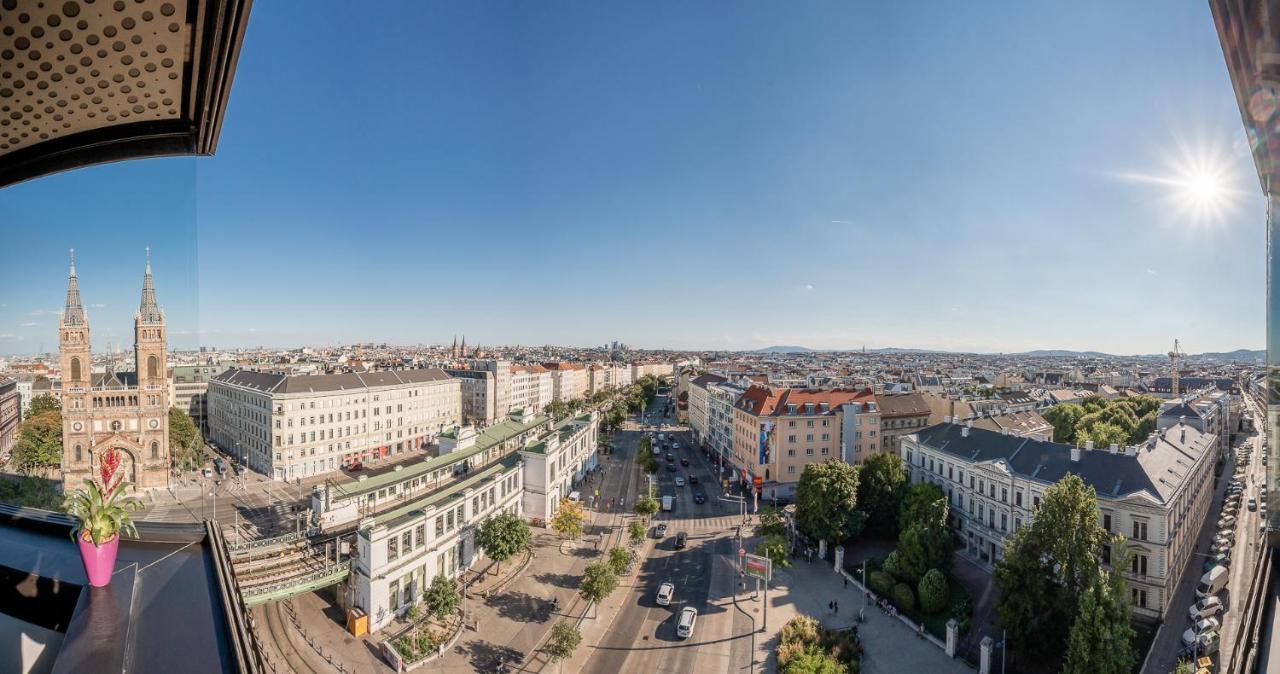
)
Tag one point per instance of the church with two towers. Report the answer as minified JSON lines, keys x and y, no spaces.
{"x":114,"y":409}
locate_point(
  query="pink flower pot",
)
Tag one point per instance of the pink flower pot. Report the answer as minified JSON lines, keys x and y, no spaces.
{"x":99,"y":560}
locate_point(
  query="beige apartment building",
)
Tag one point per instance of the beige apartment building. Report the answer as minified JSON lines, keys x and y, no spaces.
{"x":568,"y":380}
{"x":901,"y":414}
{"x":532,"y":387}
{"x":779,"y":431}
{"x":293,"y":426}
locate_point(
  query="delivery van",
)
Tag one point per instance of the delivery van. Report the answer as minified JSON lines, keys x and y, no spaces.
{"x":1212,"y":582}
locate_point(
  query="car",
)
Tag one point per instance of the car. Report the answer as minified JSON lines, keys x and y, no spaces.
{"x":1226,"y":521}
{"x":207,"y":472}
{"x":1253,"y":504}
{"x":671,"y":467}
{"x":665,"y":591}
{"x":693,"y":479}
{"x":1206,"y":625}
{"x":1205,"y":608}
{"x":679,"y":481}
{"x":1190,"y":637}
{"x":688,"y":617}
{"x":684,"y":461}
{"x":355,"y":467}
{"x":661,"y":531}
{"x":682,"y":539}
{"x":699,"y":497}
{"x":670,"y":457}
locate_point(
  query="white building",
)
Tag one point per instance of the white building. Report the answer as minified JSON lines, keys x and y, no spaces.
{"x":1155,"y":494}
{"x":292,"y":426}
{"x":557,"y":462}
{"x":699,"y":411}
{"x":532,"y":387}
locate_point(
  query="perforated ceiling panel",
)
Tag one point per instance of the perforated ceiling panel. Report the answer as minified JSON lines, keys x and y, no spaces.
{"x":68,"y":67}
{"x":91,"y":81}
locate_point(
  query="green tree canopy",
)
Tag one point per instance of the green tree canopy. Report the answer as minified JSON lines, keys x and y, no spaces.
{"x":39,"y":446}
{"x":1048,"y":565}
{"x":502,"y":536}
{"x":922,"y":547}
{"x":556,"y":409}
{"x":646,"y":506}
{"x":933,"y":592}
{"x":1101,"y":638}
{"x":636,"y":531}
{"x":882,"y":483}
{"x":598,"y":582}
{"x":776,"y":549}
{"x":44,"y":403}
{"x":619,"y":560}
{"x":771,"y":523}
{"x":563,"y":641}
{"x":826,"y":501}
{"x":1064,"y":418}
{"x":184,"y":440}
{"x":925,"y":503}
{"x":441,"y":597}
{"x":1103,"y":434}
{"x":814,"y":660}
{"x":568,"y":519}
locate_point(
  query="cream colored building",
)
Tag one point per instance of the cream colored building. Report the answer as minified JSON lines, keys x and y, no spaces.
{"x":568,"y":380}
{"x":532,"y":387}
{"x":1155,"y":494}
{"x":294,"y":426}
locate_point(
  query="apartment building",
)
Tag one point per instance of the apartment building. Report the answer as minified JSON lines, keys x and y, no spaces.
{"x":292,"y":426}
{"x":656,"y":369}
{"x":699,"y":405}
{"x":1208,"y":412}
{"x":901,"y":414}
{"x":568,"y":380}
{"x":556,"y":463}
{"x":188,"y":389}
{"x":778,"y":431}
{"x":531,"y":387}
{"x":10,"y":415}
{"x":720,"y":400}
{"x":1156,"y":494}
{"x":478,"y":389}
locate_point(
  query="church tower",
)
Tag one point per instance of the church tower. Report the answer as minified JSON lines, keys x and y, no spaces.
{"x":75,"y":359}
{"x":150,"y":353}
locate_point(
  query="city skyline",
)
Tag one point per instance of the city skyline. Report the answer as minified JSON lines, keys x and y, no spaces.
{"x":889,"y":204}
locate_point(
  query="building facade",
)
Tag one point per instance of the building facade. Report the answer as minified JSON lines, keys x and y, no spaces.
{"x":479,"y":392}
{"x":1155,"y":494}
{"x":189,"y":387}
{"x":115,"y":410}
{"x":531,"y":387}
{"x":292,"y":426}
{"x":699,"y":405}
{"x":901,"y":414}
{"x":10,"y":414}
{"x":556,"y":463}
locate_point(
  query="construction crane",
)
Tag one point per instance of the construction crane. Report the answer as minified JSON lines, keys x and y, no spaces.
{"x":1174,"y":356}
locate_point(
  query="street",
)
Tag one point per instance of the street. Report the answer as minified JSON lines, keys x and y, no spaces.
{"x":642,"y":636}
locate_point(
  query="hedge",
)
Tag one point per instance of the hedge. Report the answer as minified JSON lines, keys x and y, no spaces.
{"x":904,"y":597}
{"x":933,"y":592}
{"x":881,"y":583}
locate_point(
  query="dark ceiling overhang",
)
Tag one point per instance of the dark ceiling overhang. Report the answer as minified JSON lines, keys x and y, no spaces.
{"x":84,"y":82}
{"x":1249,"y":31}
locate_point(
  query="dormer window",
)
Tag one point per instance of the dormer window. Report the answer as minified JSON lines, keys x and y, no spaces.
{"x":791,"y":408}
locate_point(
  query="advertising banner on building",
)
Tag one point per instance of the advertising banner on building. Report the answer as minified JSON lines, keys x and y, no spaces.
{"x":765,"y":428}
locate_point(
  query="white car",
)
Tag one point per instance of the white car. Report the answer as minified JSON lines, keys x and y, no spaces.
{"x":1227,"y":521}
{"x":1206,"y":625}
{"x":679,"y":481}
{"x":1205,"y":608}
{"x":665,"y":592}
{"x":688,"y":616}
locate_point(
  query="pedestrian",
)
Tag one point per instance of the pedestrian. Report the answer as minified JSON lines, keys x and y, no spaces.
{"x":836,"y":606}
{"x":831,"y":606}
{"x":846,"y":581}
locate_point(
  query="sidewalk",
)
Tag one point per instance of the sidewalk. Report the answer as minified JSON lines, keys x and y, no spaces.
{"x":805,"y":588}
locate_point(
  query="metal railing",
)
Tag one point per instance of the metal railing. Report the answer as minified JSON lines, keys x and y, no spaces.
{"x":297,"y":584}
{"x":267,"y":542}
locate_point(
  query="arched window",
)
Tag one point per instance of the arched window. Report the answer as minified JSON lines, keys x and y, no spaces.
{"x":153,"y":365}
{"x":155,"y":450}
{"x":75,"y":369}
{"x":79,"y":454}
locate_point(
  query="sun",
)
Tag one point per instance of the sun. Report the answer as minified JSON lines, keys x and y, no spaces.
{"x":1198,"y":183}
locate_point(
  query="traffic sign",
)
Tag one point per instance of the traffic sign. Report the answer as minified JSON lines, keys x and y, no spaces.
{"x":742,"y":552}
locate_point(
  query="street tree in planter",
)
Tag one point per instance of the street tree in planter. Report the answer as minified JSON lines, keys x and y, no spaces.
{"x":776,"y":549}
{"x":598,"y":582}
{"x":101,"y":510}
{"x":563,"y":642}
{"x":502,"y":536}
{"x":619,"y":560}
{"x":635,"y":530}
{"x":646,"y":506}
{"x":568,"y":519}
{"x":441,"y":597}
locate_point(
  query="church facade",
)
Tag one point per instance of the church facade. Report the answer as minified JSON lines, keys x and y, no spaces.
{"x":128,"y":411}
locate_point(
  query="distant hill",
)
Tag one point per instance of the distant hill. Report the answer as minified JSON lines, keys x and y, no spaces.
{"x":1062,"y":353}
{"x":1257,"y":355}
{"x":784,"y":349}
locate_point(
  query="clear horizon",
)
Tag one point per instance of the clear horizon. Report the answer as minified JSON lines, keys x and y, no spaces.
{"x":700,"y":177}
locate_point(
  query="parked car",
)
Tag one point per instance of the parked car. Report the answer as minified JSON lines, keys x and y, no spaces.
{"x":1253,"y":504}
{"x":207,"y":472}
{"x":1206,"y":625}
{"x":1205,"y":608}
{"x":682,"y":539}
{"x":679,"y":481}
{"x":665,"y":592}
{"x":661,"y":530}
{"x":1226,"y":521}
{"x":688,"y":617}
{"x":699,"y":497}
{"x":355,"y":467}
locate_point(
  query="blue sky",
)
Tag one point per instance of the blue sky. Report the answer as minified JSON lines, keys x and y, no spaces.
{"x":689,"y":175}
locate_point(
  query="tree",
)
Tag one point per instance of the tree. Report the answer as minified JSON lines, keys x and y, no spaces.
{"x":502,"y":536}
{"x":771,"y":523}
{"x":619,"y":560}
{"x":933,"y":591}
{"x":881,"y":485}
{"x":924,"y":503}
{"x":44,"y":403}
{"x":1103,"y":434}
{"x":184,"y":439}
{"x":1048,"y":565}
{"x":1184,"y":667}
{"x":39,"y":445}
{"x":1064,"y":418}
{"x":1146,"y":426}
{"x":646,"y":506}
{"x":441,"y":597}
{"x":568,"y":518}
{"x":636,"y":531}
{"x":903,"y":597}
{"x":556,"y":409}
{"x":598,"y":582}
{"x":563,"y":641}
{"x":826,"y":501}
{"x":813,"y":660}
{"x":776,"y":549}
{"x":922,"y":546}
{"x":1101,"y":639}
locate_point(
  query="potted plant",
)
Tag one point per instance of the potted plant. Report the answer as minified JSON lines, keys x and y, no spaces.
{"x":101,"y":510}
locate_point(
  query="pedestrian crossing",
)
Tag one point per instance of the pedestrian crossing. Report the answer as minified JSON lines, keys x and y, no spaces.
{"x":721,"y":522}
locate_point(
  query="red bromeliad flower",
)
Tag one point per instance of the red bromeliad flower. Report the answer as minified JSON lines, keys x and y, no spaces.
{"x":107,"y":469}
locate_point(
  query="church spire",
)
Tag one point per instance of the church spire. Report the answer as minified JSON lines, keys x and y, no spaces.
{"x":73,"y":312}
{"x":148,"y":310}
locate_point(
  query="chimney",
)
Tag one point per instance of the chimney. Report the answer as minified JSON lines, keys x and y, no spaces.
{"x":1182,"y":420}
{"x":1088,"y":444}
{"x":1131,"y":451}
{"x":1115,"y":448}
{"x":1075,"y":455}
{"x":964,"y":431}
